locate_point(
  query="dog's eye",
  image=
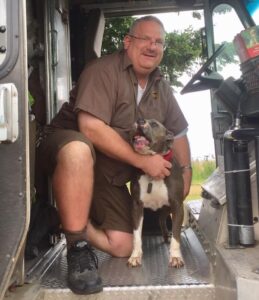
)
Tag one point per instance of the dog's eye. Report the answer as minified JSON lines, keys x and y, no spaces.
{"x":154,"y":124}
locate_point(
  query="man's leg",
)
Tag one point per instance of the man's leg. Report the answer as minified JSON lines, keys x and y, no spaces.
{"x":116,"y":243}
{"x":72,"y":183}
{"x":110,"y":228}
{"x":68,"y":157}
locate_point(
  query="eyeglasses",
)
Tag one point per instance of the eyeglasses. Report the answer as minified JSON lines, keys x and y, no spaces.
{"x":147,"y":40}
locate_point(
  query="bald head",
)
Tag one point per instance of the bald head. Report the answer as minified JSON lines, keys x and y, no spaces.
{"x":145,"y":19}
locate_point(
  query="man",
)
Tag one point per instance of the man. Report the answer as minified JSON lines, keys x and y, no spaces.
{"x":90,"y":158}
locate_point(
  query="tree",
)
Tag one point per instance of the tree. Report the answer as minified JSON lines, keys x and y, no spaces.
{"x":183,"y":49}
{"x":182,"y":52}
{"x":114,"y":32}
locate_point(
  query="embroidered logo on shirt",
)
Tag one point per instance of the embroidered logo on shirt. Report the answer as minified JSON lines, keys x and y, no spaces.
{"x":155,"y":94}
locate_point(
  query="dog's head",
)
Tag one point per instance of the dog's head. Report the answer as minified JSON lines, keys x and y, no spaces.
{"x":149,"y":136}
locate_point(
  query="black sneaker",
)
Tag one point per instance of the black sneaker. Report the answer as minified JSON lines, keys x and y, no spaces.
{"x":82,"y":263}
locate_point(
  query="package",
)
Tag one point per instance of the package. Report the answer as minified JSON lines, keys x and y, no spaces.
{"x":247,"y":43}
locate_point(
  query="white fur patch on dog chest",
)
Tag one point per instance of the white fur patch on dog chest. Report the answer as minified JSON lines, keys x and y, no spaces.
{"x":158,"y":195}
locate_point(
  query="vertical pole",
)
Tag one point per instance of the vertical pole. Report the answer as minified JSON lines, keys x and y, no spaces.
{"x":231,"y":192}
{"x":257,"y":166}
{"x":244,"y":203}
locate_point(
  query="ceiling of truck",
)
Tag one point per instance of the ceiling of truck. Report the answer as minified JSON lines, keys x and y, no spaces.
{"x":131,"y":7}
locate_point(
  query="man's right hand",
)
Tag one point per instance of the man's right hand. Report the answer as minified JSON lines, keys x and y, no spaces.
{"x":101,"y":135}
{"x":155,"y":166}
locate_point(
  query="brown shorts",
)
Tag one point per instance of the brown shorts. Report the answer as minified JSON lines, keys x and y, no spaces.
{"x":52,"y":140}
{"x":111,"y":205}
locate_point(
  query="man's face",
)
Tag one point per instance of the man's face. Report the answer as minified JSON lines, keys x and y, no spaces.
{"x":145,"y":47}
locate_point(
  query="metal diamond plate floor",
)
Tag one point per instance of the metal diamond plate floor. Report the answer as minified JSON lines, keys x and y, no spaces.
{"x":154,"y":270}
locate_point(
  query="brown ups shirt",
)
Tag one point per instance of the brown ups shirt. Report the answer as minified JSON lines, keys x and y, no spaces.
{"x":107,"y":89}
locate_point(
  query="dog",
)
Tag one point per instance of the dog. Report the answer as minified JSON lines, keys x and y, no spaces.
{"x":149,"y":136}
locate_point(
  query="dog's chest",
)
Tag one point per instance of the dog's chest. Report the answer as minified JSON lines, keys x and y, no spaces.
{"x":153,"y":194}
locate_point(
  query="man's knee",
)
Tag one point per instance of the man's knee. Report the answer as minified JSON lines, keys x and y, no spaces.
{"x":75,"y":151}
{"x":121,"y":243}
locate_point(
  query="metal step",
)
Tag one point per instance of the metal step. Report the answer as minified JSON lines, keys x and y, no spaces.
{"x":153,"y":280}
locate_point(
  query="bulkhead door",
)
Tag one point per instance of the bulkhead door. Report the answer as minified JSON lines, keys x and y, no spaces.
{"x":14,"y":140}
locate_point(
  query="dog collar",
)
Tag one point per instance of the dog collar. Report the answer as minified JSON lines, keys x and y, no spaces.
{"x":169,"y":155}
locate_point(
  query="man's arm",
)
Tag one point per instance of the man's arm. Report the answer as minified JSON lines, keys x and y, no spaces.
{"x":108,"y":141}
{"x":182,"y":153}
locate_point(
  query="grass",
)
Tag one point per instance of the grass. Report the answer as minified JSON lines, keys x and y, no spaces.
{"x":201,"y":170}
{"x":195,"y":192}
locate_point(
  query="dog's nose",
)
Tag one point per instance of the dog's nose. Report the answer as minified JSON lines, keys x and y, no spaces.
{"x":141,"y":122}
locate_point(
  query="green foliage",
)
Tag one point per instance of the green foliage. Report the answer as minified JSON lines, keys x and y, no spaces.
{"x":114,"y":32}
{"x":222,"y":8}
{"x":227,"y":56}
{"x":183,"y":50}
{"x":202,"y":169}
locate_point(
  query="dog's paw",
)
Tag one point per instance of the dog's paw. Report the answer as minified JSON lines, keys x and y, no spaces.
{"x":176,"y":262}
{"x":135,"y":261}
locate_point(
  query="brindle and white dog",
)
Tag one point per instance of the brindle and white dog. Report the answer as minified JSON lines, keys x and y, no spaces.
{"x":150,"y":137}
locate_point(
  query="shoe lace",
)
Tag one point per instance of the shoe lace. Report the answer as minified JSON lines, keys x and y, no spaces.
{"x":85,"y":259}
